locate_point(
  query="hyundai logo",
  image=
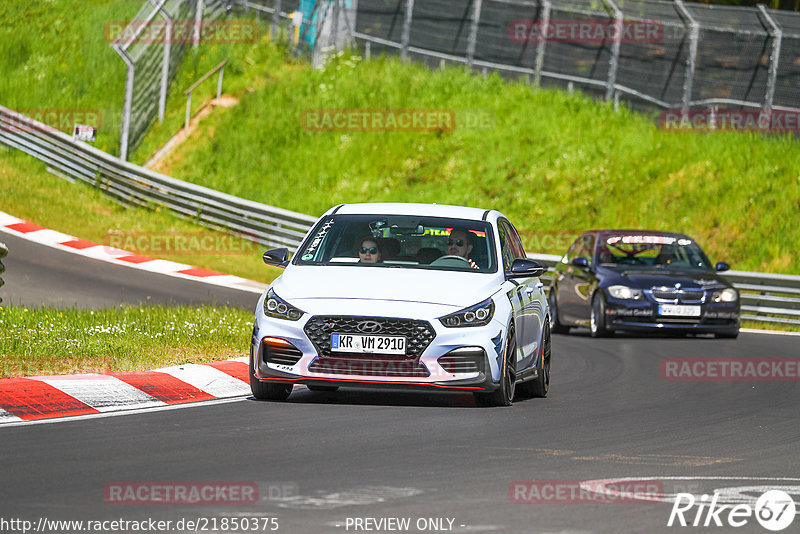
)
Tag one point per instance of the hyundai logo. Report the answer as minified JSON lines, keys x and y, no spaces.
{"x":369,"y":327}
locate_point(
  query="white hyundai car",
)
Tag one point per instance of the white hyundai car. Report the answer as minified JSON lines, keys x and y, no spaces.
{"x":410,"y":296}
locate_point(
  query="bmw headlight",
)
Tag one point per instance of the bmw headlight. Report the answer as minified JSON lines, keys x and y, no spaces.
{"x":725,"y":295}
{"x":477,"y":315}
{"x":625,"y":293}
{"x":274,"y":306}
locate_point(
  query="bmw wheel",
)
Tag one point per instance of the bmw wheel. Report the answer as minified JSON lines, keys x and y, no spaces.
{"x":555,"y":325}
{"x":598,"y":320}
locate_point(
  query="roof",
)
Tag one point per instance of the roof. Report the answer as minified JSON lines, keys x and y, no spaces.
{"x":425,"y":210}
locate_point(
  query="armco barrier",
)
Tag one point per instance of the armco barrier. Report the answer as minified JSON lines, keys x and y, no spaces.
{"x":765,"y":297}
{"x":136,"y":185}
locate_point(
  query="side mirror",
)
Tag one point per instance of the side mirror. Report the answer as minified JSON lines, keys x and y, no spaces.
{"x":581,"y":262}
{"x":721,"y":266}
{"x":523,"y":268}
{"x":279,"y":257}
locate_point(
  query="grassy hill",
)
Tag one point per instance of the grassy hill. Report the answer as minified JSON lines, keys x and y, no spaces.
{"x":555,"y":163}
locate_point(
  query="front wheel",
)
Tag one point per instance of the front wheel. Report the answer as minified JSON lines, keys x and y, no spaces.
{"x":268,"y":390}
{"x":597,"y":323}
{"x":503,"y":395}
{"x":540,"y":386}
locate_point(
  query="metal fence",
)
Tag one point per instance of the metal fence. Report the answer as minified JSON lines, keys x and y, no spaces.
{"x":698,"y":56}
{"x":765,"y":297}
{"x":152,"y":46}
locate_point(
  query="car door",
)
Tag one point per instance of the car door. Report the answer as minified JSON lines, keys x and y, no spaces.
{"x":564,"y":283}
{"x":584,"y":281}
{"x":528,"y":300}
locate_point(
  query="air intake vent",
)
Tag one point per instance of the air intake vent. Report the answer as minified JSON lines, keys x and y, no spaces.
{"x":281,"y":353}
{"x":463,"y":361}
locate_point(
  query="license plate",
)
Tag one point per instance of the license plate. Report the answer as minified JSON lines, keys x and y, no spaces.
{"x":368,"y":344}
{"x":678,"y":310}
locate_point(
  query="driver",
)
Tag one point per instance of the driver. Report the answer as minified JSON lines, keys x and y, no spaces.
{"x":369,"y":251}
{"x":459,"y":243}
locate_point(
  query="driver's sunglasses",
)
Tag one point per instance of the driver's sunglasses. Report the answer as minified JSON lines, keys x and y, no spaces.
{"x":457,"y":242}
{"x":370,"y":250}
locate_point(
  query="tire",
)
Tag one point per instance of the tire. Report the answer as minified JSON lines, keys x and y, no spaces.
{"x":503,"y":395}
{"x":597,"y":325}
{"x":268,"y":391}
{"x":540,"y":386}
{"x":555,"y":324}
{"x":329,"y":389}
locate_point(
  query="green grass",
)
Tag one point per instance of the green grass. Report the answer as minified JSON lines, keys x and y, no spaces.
{"x":29,"y":192}
{"x":555,"y":163}
{"x":50,"y":341}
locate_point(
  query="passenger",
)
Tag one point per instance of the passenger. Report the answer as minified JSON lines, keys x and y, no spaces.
{"x":368,"y":250}
{"x":459,"y":243}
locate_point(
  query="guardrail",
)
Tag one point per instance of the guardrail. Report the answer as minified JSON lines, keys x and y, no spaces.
{"x":136,"y":185}
{"x":764,"y":297}
{"x":188,"y":92}
{"x":3,"y":254}
{"x":773,"y":298}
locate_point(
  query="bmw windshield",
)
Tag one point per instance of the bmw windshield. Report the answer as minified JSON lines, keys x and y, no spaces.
{"x":400,"y":241}
{"x":650,"y":251}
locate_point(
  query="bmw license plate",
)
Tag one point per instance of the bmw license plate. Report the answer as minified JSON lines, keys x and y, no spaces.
{"x":679,"y":310}
{"x":368,"y":344}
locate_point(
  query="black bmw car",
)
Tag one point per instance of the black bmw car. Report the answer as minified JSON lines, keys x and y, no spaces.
{"x":641,"y":280}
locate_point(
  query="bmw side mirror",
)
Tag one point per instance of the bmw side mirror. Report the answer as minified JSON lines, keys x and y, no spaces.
{"x":721,"y":266}
{"x":581,"y":262}
{"x":522,"y":268}
{"x":279,"y":257}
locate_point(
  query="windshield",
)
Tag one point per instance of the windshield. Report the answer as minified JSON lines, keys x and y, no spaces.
{"x":651,"y":251}
{"x":400,"y":241}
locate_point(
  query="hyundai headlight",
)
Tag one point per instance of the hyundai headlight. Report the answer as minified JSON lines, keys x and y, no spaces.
{"x":477,"y":315}
{"x":725,"y":295}
{"x":625,"y":293}
{"x":274,"y":306}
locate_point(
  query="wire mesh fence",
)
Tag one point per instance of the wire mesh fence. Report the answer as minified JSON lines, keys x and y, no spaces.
{"x":653,"y":53}
{"x":152,"y":45}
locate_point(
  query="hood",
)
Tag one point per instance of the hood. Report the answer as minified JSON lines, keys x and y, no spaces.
{"x":457,"y":289}
{"x":645,"y":279}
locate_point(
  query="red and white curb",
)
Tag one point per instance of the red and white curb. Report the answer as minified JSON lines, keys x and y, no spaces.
{"x":48,"y":397}
{"x":26,"y":230}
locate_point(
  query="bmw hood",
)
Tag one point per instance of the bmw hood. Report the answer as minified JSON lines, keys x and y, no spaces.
{"x":656,"y":278}
{"x":448,"y":288}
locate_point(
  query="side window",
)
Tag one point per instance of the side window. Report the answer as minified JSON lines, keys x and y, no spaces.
{"x":587,"y":246}
{"x":505,"y":247}
{"x":514,"y":242}
{"x":574,"y":250}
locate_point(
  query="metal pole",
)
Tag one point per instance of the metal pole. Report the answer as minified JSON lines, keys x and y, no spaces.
{"x":473,"y":31}
{"x":162,"y":99}
{"x":368,"y":50}
{"x":777,"y":37}
{"x":276,"y":18}
{"x":613,"y":62}
{"x":545,"y":22}
{"x":219,"y":82}
{"x":691,"y":61}
{"x":126,"y":109}
{"x":334,"y":23}
{"x":198,"y":21}
{"x":406,"y":36}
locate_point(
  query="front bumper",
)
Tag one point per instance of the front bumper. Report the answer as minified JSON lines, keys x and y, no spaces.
{"x":301,"y":361}
{"x":643,"y":315}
